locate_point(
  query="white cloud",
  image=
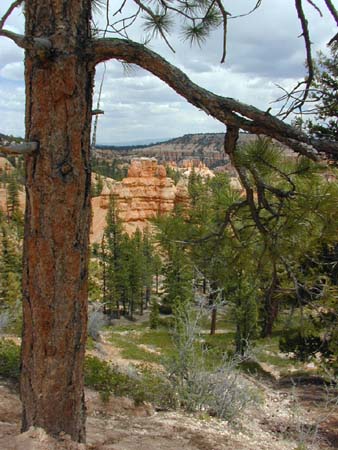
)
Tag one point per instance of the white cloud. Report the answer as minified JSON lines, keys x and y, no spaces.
{"x":13,"y":71}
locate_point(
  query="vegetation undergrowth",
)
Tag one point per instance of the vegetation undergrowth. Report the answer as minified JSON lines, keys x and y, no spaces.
{"x":9,"y":359}
{"x":139,"y":383}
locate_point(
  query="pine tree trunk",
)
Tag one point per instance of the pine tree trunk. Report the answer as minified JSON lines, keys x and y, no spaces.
{"x":213,"y":320}
{"x":148,"y":296}
{"x":271,"y":309}
{"x":212,"y":303}
{"x":271,"y":306}
{"x":157,"y":283}
{"x":57,"y":219}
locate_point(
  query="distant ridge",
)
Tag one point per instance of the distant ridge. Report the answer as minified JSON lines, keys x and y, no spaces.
{"x":206,"y":147}
{"x":154,"y":143}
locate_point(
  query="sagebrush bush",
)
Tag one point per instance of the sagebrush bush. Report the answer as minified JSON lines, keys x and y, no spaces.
{"x":216,"y":388}
{"x":4,"y":321}
{"x":96,"y":321}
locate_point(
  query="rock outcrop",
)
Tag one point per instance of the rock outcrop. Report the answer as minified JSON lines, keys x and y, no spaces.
{"x":188,"y":165}
{"x":5,"y":166}
{"x":144,"y":194}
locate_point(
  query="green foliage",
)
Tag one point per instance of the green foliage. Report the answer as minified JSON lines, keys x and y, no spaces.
{"x":112,"y":259}
{"x":158,"y":23}
{"x":9,"y":359}
{"x":11,"y":234}
{"x":12,"y":195}
{"x":127,"y":267}
{"x":177,"y":277}
{"x":142,"y":385}
{"x":10,"y":267}
{"x":114,"y":169}
{"x":177,"y":266}
{"x":325,"y":96}
{"x":245,"y":311}
{"x":269,"y":251}
{"x":304,"y":346}
{"x":203,"y":382}
{"x":131,"y":350}
{"x":173,"y":174}
{"x":154,"y":317}
{"x":94,"y":280}
{"x":97,"y":186}
{"x":103,"y":377}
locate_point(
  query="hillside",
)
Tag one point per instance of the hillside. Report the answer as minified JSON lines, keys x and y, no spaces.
{"x":207,"y":148}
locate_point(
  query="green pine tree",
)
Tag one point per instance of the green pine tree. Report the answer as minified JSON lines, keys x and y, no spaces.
{"x":112,"y":258}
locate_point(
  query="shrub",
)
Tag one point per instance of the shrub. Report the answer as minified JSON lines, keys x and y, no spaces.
{"x":216,"y":388}
{"x":4,"y":321}
{"x":153,"y":387}
{"x":303,"y":346}
{"x":154,"y":317}
{"x":9,"y":359}
{"x":103,"y":377}
{"x":166,"y":309}
{"x":142,"y":385}
{"x":96,"y":321}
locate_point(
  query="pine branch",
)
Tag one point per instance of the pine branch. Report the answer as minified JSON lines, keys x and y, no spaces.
{"x":12,"y":7}
{"x":26,"y":148}
{"x":27,"y":43}
{"x":227,"y":110}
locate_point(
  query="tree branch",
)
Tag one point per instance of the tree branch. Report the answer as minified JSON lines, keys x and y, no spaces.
{"x":227,"y":110}
{"x":9,"y":12}
{"x":225,"y":15}
{"x":27,"y":43}
{"x":332,"y":9}
{"x":230,"y":140}
{"x":19,"y":149}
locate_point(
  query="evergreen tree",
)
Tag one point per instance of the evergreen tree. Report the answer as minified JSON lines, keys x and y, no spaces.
{"x":10,"y":269}
{"x":136,"y":270}
{"x":97,"y":186}
{"x":12,"y":196}
{"x":148,"y":265}
{"x":157,"y":267}
{"x":178,"y":277}
{"x":154,"y":317}
{"x":325,"y":96}
{"x":112,"y":258}
{"x":177,"y":267}
{"x":245,"y":310}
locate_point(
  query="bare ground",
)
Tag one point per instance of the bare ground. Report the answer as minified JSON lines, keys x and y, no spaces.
{"x":121,"y":425}
{"x":281,"y":421}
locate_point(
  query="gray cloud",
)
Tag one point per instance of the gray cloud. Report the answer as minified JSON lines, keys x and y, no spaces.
{"x":263,"y":49}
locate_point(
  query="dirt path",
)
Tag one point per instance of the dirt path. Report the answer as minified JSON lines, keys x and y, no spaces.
{"x":278,"y":422}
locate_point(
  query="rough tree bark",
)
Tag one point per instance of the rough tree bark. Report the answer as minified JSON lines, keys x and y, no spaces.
{"x":58,"y":116}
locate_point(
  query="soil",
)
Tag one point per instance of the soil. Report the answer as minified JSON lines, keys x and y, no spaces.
{"x":285,"y":417}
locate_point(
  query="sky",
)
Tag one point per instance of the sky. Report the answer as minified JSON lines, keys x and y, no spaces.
{"x":264,"y":50}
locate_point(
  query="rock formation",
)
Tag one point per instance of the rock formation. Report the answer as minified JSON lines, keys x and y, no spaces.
{"x":144,"y":194}
{"x":5,"y":166}
{"x":187,"y":165}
